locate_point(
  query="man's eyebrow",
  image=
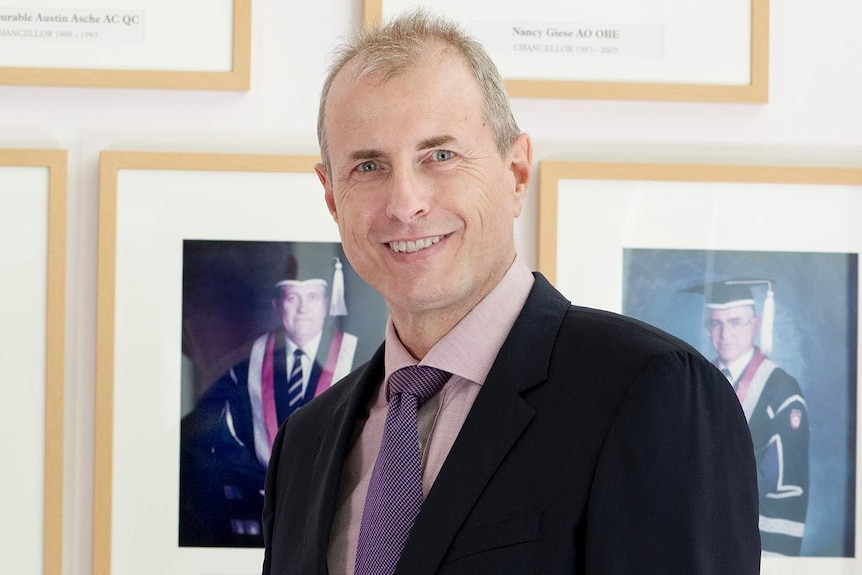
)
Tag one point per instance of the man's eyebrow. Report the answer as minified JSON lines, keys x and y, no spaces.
{"x":435,"y":141}
{"x":365,"y":154}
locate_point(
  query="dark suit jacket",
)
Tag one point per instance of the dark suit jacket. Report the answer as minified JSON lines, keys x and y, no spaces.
{"x":597,"y":445}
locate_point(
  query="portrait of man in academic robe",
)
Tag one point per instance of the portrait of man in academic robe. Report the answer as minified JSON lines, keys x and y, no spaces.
{"x":264,"y":361}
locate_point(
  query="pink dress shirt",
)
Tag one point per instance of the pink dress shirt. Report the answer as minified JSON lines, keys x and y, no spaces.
{"x":468,"y":351}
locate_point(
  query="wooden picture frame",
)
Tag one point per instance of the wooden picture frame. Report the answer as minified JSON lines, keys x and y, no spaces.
{"x":640,"y":239}
{"x":71,"y":60}
{"x":153,"y":208}
{"x":750,"y":86}
{"x":33,"y":259}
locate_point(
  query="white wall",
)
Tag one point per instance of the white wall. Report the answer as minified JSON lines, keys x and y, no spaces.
{"x":814,"y":117}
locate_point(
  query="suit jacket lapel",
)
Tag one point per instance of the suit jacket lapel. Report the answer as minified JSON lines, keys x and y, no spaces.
{"x":496,"y":421}
{"x":333,"y":448}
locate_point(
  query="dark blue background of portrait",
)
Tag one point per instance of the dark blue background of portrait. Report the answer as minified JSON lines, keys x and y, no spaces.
{"x":814,"y":340}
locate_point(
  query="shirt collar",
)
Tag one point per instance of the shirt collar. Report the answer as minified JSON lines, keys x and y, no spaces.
{"x":737,"y":366}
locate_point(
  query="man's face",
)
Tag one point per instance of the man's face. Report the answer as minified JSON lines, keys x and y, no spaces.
{"x":303,"y":311}
{"x":732,"y":331}
{"x":423,"y":199}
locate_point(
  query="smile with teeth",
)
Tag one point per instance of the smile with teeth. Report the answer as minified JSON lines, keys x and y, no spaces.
{"x":411,"y":246}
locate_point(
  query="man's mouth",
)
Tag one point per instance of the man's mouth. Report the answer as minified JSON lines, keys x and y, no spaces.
{"x":410,"y":246}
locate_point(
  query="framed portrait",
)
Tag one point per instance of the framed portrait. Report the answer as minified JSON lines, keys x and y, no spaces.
{"x":225,"y":302}
{"x":32,"y":260}
{"x":659,"y":242}
{"x":194,"y":44}
{"x":712,"y":51}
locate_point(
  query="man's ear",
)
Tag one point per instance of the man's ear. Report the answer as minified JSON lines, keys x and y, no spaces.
{"x":320,"y":170}
{"x":521,"y":165}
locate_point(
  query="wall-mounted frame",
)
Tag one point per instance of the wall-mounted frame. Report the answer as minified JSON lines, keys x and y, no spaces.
{"x":190,"y":247}
{"x":194,"y":44}
{"x":32,"y":261}
{"x":637,"y":238}
{"x":714,"y":51}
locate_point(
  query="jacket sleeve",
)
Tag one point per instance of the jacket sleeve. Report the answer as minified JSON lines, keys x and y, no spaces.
{"x":269,"y":500}
{"x":782,"y":467}
{"x":675,"y":490}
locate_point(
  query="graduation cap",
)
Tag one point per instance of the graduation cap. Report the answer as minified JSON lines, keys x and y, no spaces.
{"x":337,"y":306}
{"x":737,"y":292}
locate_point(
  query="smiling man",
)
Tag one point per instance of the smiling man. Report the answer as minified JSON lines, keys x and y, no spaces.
{"x":499,"y":429}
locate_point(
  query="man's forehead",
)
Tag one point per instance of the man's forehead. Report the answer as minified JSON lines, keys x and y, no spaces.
{"x":738,"y":311}
{"x":306,"y":288}
{"x":356,"y":74}
{"x":355,"y":111}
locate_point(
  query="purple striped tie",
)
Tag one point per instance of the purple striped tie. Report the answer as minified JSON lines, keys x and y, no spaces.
{"x":395,"y":492}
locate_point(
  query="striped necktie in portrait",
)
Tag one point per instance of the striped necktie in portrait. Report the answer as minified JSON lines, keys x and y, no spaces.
{"x":294,"y":382}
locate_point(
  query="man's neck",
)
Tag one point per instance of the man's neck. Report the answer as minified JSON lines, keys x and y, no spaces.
{"x":420,"y":330}
{"x":308,"y":345}
{"x":738,"y":365}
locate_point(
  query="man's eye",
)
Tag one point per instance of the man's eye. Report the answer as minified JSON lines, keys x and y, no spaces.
{"x":442,"y":155}
{"x":368,"y":166}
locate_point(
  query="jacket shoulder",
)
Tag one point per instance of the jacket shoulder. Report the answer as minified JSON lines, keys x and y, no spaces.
{"x":620,"y":332}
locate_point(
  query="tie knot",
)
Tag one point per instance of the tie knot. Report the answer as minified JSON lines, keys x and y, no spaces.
{"x":298,"y":353}
{"x":418,"y":380}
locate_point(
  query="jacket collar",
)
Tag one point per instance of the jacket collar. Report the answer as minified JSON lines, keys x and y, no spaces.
{"x":495,"y":422}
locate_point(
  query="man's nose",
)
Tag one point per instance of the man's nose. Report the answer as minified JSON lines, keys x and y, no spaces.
{"x":409,"y":195}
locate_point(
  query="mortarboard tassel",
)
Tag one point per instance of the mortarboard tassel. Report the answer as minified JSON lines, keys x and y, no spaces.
{"x":767,"y":321}
{"x":337,"y":307}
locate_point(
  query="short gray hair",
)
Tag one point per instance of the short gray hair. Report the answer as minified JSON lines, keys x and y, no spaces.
{"x":394,"y":47}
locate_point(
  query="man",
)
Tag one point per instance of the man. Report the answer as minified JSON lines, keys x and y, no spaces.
{"x":226,"y":440}
{"x":773,"y":405}
{"x":563,"y":440}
